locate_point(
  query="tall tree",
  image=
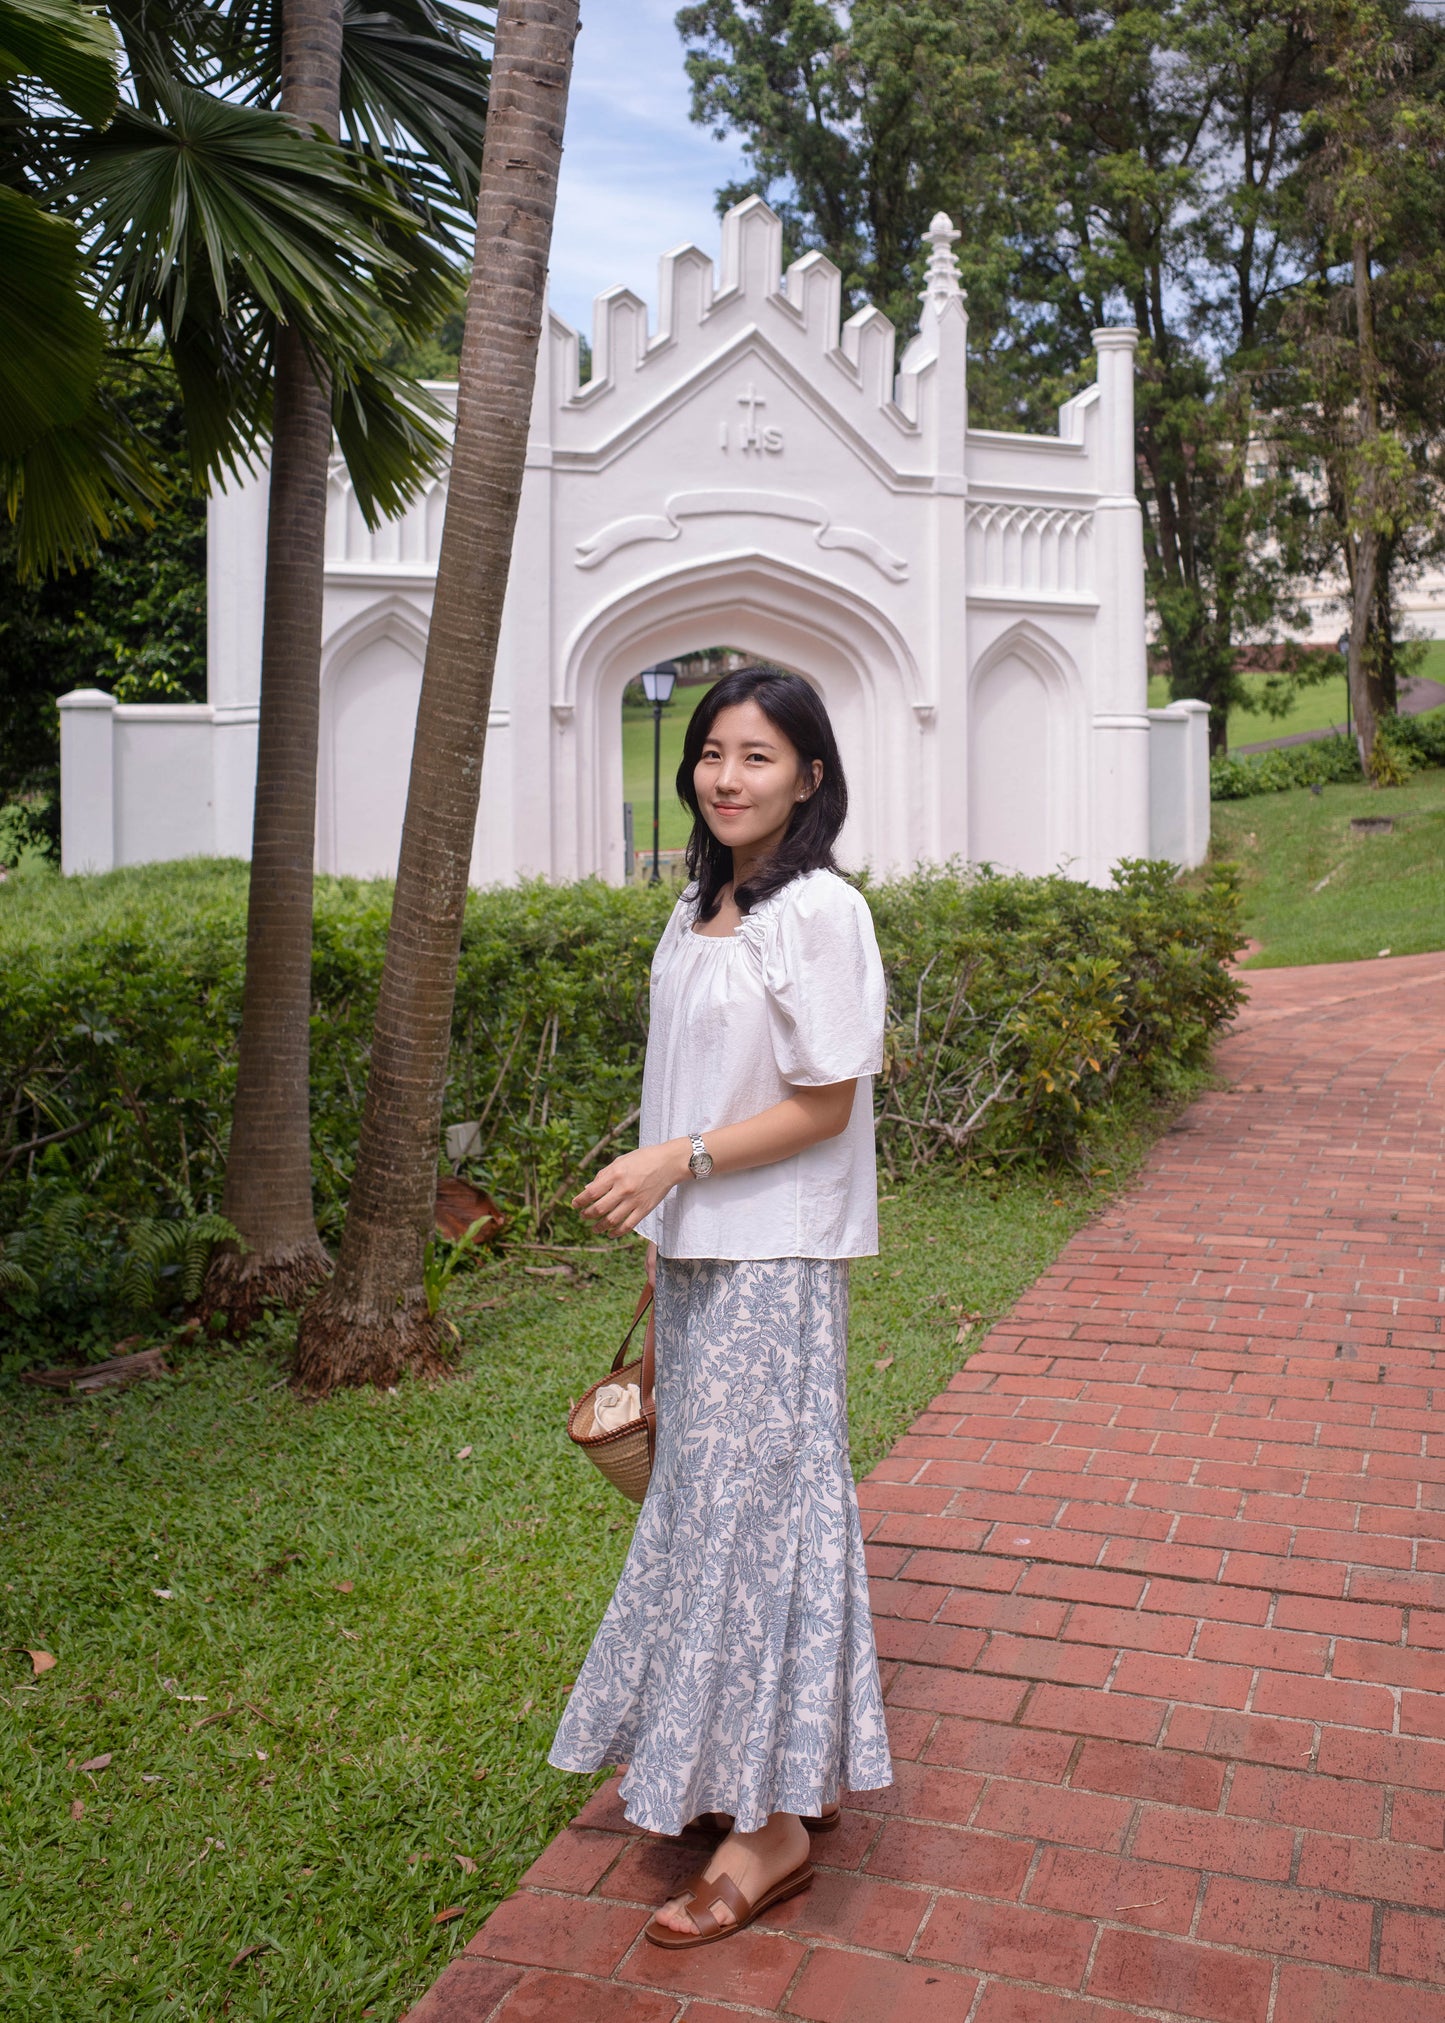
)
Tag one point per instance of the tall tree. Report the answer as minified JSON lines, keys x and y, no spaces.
{"x":1366,"y":373}
{"x":371,"y":1321}
{"x":267,"y":1194}
{"x":1119,"y":161}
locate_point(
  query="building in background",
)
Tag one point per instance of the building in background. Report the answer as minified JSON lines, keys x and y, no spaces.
{"x":750,"y":469}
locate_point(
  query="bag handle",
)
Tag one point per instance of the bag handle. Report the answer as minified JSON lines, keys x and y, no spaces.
{"x":646,"y":1389}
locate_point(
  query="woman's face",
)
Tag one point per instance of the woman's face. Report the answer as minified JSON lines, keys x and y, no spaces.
{"x":749,"y":779}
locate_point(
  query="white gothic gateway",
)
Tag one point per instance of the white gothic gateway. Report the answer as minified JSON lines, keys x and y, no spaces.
{"x":747,"y":473}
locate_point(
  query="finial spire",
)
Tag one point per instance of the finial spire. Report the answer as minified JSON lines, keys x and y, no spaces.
{"x":941,"y":280}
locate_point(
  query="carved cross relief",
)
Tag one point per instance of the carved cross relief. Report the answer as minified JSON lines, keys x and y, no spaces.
{"x":750,"y":436}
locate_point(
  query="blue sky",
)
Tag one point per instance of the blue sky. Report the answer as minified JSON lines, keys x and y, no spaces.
{"x":638,"y":178}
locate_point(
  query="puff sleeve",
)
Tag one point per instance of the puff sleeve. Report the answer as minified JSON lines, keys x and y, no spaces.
{"x":824,"y":982}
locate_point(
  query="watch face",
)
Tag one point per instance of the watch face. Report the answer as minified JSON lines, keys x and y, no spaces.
{"x":701,"y":1164}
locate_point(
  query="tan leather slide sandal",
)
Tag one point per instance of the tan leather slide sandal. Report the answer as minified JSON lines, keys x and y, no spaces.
{"x":699,"y":1895}
{"x":824,"y":1821}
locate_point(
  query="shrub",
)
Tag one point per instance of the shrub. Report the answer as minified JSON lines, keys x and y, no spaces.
{"x":1404,"y":744}
{"x":1314,"y":765}
{"x":1018,"y":1007}
{"x":29,"y":832}
{"x":72,"y":1279}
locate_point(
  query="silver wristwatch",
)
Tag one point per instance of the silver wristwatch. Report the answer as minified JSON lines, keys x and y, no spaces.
{"x":700,"y":1164}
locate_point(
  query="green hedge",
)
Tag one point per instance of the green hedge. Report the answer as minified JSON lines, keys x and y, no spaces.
{"x":1018,"y":1007}
{"x":1410,"y":741}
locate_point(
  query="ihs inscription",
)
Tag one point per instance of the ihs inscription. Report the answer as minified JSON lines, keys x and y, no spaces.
{"x":751,"y":436}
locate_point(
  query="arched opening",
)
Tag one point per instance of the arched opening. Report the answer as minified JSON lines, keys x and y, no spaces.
{"x":652,"y":739}
{"x":1023,"y":802}
{"x":368,"y":712}
{"x":770,"y":612}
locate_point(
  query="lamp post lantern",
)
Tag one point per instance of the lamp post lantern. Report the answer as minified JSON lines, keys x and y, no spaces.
{"x":657,"y":685}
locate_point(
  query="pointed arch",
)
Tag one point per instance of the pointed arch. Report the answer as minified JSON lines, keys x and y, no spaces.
{"x":1026,"y":738}
{"x":370,"y":681}
{"x":852,"y":652}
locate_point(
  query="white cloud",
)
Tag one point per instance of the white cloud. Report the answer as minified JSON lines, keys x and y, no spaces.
{"x":638,"y":178}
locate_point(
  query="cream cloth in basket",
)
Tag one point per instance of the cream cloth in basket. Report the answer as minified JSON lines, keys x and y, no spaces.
{"x":616,"y":1405}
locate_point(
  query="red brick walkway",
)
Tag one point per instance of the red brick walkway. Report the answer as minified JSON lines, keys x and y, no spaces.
{"x":1160,"y":1592}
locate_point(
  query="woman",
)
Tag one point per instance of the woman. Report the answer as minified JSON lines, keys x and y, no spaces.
{"x":735,"y":1669}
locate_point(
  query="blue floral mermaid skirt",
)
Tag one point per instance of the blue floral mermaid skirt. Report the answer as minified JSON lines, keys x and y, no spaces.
{"x":735,"y":1669}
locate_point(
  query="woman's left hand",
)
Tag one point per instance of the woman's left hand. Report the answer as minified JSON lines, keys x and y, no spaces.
{"x":631,"y":1187}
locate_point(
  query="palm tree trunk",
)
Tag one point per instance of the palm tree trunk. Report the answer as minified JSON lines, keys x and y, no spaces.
{"x":371,"y":1321}
{"x":267,"y":1192}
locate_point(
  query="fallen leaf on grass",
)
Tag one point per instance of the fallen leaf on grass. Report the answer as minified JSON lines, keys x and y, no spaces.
{"x":524,"y":1710}
{"x":77,"y":1808}
{"x":464,"y":1453}
{"x":465,"y":1864}
{"x":162,"y":1594}
{"x":351,"y":1636}
{"x":97,"y":1762}
{"x":344,"y":1587}
{"x":478,"y":1775}
{"x":550,"y":1270}
{"x":245,"y":1953}
{"x":885,"y":1364}
{"x":41,"y":1661}
{"x":445,"y":1917}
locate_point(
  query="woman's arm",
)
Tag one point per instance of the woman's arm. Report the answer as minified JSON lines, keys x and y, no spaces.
{"x":631,"y":1187}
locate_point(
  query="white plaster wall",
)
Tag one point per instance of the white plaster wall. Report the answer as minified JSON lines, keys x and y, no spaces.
{"x":742,"y":469}
{"x":164,"y":792}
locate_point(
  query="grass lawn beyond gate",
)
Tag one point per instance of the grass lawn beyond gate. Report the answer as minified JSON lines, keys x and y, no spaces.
{"x":1316,"y":891}
{"x":323,"y":1648}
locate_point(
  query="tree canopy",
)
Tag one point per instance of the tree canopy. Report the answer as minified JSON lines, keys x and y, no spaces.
{"x":1151,"y":161}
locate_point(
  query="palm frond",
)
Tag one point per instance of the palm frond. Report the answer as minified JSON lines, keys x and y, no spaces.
{"x":70,"y":48}
{"x":414,"y":81}
{"x":51,"y":339}
{"x":383,"y":425}
{"x":230,"y":198}
{"x":67,"y":489}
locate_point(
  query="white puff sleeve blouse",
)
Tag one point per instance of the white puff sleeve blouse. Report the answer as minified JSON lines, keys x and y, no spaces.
{"x":794,"y":999}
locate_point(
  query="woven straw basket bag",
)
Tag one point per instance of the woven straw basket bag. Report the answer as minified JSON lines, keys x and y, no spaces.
{"x":624,"y":1455}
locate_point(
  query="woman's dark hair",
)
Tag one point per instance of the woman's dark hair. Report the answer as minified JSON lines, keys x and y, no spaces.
{"x":794,"y":708}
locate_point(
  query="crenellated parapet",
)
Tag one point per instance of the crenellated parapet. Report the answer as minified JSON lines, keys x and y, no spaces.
{"x":708,"y":316}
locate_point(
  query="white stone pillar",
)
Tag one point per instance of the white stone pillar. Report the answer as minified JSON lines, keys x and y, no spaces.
{"x":234,"y":735}
{"x":1120,"y":827}
{"x":87,"y":780}
{"x":1196,"y":782}
{"x":236,"y":590}
{"x":1179,"y":783}
{"x":941,"y":737}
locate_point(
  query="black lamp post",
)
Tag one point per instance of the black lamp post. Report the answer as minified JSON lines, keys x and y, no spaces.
{"x":657,"y":685}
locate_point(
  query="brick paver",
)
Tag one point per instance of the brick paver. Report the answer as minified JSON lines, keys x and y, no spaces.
{"x":1159,"y":1584}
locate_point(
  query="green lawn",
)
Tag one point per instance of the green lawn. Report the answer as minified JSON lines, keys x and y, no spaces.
{"x":332,"y":1726}
{"x":1383,"y":892}
{"x":1317,"y":709}
{"x":674,"y":825}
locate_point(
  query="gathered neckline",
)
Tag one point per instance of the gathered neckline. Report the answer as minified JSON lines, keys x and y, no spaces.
{"x":751,"y":923}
